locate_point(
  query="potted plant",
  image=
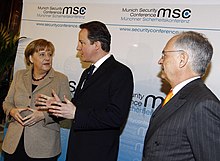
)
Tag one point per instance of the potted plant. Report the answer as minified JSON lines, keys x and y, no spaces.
{"x":8,"y":47}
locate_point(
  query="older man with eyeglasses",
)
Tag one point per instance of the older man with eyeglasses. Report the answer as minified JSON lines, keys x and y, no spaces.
{"x":187,"y":127}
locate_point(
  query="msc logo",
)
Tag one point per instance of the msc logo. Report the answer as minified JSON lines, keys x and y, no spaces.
{"x":74,"y":10}
{"x":153,"y":101}
{"x":174,"y":13}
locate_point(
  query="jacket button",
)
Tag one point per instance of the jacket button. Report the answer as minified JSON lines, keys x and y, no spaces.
{"x":156,"y":143}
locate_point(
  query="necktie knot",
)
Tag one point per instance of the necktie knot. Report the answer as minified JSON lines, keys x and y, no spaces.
{"x":90,"y":71}
{"x":168,"y":97}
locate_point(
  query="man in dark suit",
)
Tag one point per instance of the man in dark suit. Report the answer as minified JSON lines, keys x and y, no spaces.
{"x":101,"y":103}
{"x":187,"y":127}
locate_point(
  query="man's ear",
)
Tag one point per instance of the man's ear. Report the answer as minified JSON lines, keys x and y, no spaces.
{"x":184,"y":58}
{"x":97,"y":45}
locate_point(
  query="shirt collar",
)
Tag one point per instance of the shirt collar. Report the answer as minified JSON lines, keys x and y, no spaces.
{"x":100,"y":61}
{"x":182,"y":84}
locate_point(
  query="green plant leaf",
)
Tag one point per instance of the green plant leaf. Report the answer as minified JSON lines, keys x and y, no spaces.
{"x":8,"y":47}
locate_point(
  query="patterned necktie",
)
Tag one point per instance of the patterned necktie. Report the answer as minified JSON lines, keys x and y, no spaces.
{"x":168,"y":97}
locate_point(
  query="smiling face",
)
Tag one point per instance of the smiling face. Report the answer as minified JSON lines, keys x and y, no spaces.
{"x":87,"y":51}
{"x":42,"y":60}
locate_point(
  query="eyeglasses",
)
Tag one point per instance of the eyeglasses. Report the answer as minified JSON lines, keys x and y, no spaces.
{"x":171,"y":51}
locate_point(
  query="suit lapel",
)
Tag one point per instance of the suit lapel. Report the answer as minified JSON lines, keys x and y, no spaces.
{"x":28,"y":81}
{"x":98,"y":73}
{"x":46,"y":81}
{"x":163,"y":113}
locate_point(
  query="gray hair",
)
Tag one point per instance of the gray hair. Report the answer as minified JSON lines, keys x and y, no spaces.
{"x":199,"y":49}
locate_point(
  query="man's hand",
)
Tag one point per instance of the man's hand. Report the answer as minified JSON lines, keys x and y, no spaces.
{"x":65,"y":110}
{"x":43,"y":101}
{"x":55,"y":106}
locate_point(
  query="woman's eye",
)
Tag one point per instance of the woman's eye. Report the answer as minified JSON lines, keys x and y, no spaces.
{"x":42,"y":54}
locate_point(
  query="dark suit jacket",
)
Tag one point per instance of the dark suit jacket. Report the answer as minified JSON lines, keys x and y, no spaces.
{"x":187,"y":128}
{"x":102,"y":108}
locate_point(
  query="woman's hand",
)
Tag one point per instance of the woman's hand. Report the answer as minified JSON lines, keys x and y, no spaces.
{"x":16,"y":114}
{"x":33,"y":118}
{"x":26,"y":116}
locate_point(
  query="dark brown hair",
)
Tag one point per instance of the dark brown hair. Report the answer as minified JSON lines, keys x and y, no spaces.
{"x":97,"y":31}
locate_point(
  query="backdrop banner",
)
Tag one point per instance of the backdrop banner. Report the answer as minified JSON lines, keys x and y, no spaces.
{"x":139,"y":33}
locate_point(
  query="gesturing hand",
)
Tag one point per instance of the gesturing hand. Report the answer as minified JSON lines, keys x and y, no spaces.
{"x":43,"y":101}
{"x":55,"y":106}
{"x":65,"y":110}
